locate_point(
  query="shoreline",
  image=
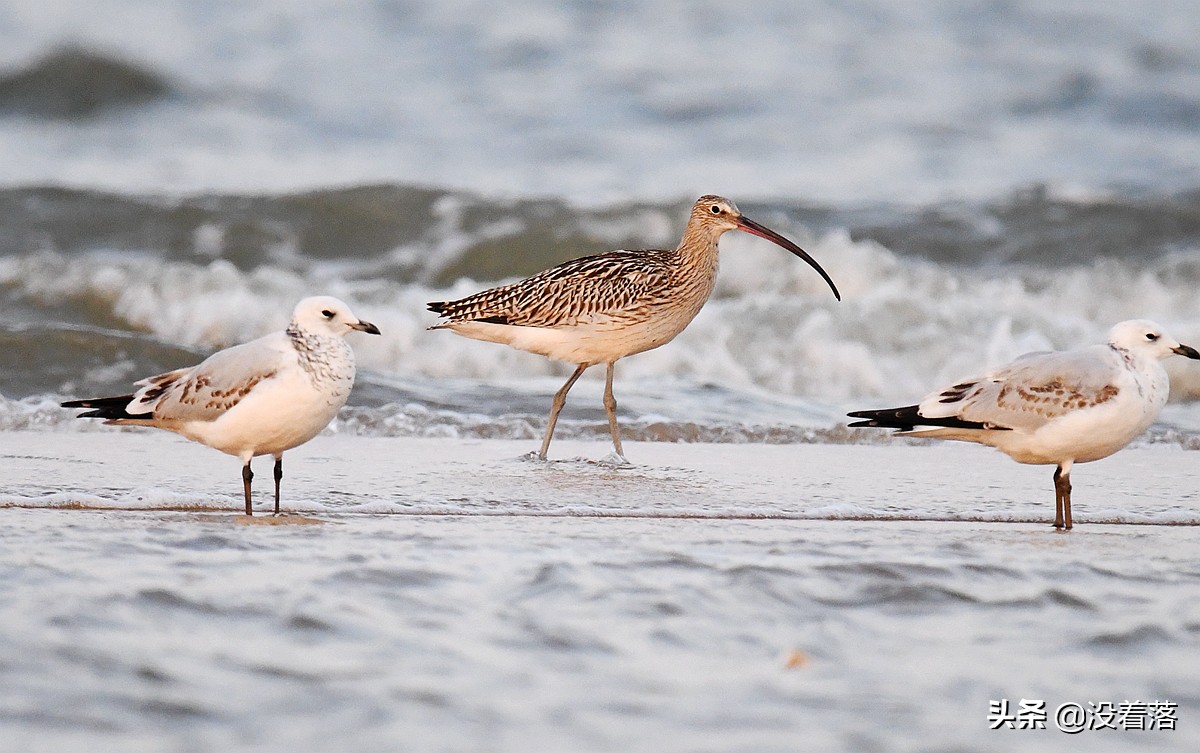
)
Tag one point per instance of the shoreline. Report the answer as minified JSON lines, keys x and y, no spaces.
{"x":349,"y":475}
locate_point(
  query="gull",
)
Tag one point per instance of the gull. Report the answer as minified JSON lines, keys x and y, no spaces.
{"x":1052,"y":408}
{"x":263,"y":397}
{"x":601,"y":308}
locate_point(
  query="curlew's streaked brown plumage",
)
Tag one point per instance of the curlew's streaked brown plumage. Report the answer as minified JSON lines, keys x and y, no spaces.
{"x":601,"y":308}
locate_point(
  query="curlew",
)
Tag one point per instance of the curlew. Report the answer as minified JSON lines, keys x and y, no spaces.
{"x":601,"y":308}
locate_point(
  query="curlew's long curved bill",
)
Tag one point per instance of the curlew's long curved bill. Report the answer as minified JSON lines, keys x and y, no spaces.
{"x":752,"y":227}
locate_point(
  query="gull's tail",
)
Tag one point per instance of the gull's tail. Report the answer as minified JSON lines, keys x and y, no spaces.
{"x":110,"y":408}
{"x":908,"y":418}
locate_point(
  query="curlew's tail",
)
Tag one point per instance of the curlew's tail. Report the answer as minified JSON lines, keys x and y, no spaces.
{"x":473,"y":309}
{"x":111,"y":408}
{"x":908,"y":418}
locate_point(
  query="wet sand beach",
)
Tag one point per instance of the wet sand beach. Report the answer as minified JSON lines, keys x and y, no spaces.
{"x":446,"y":595}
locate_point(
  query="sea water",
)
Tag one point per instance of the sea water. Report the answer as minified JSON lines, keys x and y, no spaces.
{"x":980,"y":179}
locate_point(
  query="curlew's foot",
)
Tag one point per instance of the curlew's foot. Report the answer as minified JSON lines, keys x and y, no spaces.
{"x":613,"y":460}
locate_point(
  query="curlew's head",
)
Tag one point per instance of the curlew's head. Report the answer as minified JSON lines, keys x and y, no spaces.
{"x":1148,"y":339}
{"x":714,"y":215}
{"x":325,"y":314}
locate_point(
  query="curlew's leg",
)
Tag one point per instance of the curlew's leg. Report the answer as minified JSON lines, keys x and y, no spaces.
{"x":278,"y":478}
{"x":247,"y":477}
{"x":610,"y":405}
{"x":1062,"y":497}
{"x":560,"y":399}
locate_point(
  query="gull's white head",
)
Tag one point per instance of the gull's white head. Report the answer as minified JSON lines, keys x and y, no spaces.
{"x":327,"y":315}
{"x":1147,"y":338}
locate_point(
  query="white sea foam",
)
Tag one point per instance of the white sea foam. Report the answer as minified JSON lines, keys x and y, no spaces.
{"x":771,"y":325}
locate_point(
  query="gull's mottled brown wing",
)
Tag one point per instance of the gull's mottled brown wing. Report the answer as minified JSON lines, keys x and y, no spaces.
{"x":1030,"y":391}
{"x":206,"y":391}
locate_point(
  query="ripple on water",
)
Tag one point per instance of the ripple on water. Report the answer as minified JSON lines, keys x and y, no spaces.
{"x":899,"y":594}
{"x":391,"y":576}
{"x":308,"y":623}
{"x":764,"y":571}
{"x":666,"y":609}
{"x":991,"y":570}
{"x":153,"y":674}
{"x":671,"y":561}
{"x":71,"y":720}
{"x":892,"y":571}
{"x":561,"y":639}
{"x":1142,"y":636}
{"x":428,"y":698}
{"x":176,"y":710}
{"x":208,"y":543}
{"x":164,"y":597}
{"x":552,"y":577}
{"x":1050,"y":597}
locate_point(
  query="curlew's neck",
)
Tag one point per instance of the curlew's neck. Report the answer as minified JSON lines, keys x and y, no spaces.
{"x":698,"y":248}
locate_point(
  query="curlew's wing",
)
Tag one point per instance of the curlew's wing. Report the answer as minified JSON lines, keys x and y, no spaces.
{"x":1030,"y":391}
{"x":602,"y":285}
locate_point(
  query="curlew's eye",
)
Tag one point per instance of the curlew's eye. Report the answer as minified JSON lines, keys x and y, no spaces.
{"x":1151,"y":336}
{"x":327,"y":314}
{"x":715,"y":208}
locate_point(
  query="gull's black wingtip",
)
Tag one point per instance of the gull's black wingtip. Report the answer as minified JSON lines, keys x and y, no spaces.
{"x":909,"y":417}
{"x":106,"y":407}
{"x":889,"y":418}
{"x":437,"y":307}
{"x":861,"y":424}
{"x":99,"y":402}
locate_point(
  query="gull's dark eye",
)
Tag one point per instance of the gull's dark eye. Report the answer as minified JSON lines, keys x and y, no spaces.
{"x":1151,"y":336}
{"x":327,"y":314}
{"x":715,"y":208}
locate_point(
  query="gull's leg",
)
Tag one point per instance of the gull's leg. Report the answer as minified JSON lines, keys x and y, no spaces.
{"x":1062,"y":496}
{"x":247,"y":477}
{"x":1058,"y":510}
{"x":560,"y":399}
{"x":610,"y":405}
{"x":1065,"y":480}
{"x":278,"y":478}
